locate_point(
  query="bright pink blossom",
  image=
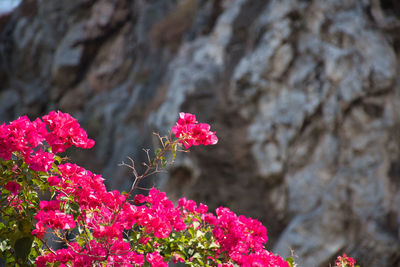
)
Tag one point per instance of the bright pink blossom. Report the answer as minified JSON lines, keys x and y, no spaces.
{"x":49,"y":205}
{"x":189,"y":132}
{"x":53,"y":219}
{"x":238,"y":236}
{"x":177,"y":258}
{"x":40,"y":161}
{"x":108,"y":231}
{"x":344,"y":261}
{"x":15,"y":201}
{"x":202,"y":209}
{"x":161,"y":217}
{"x":18,"y":136}
{"x":188,"y":205}
{"x":13,"y":187}
{"x":262,"y":259}
{"x":64,"y":132}
{"x":53,"y":180}
{"x":156,"y":260}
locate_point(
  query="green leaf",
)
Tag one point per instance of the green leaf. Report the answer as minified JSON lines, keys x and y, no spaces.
{"x":197,"y":256}
{"x":23,"y":247}
{"x":57,"y":159}
{"x":24,"y":226}
{"x":9,"y":260}
{"x":173,"y":150}
{"x":75,"y":207}
{"x":208,"y":236}
{"x":163,"y":161}
{"x":290,"y":261}
{"x":191,"y":232}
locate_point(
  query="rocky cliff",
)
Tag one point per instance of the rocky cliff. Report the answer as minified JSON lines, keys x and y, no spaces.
{"x":303,"y":94}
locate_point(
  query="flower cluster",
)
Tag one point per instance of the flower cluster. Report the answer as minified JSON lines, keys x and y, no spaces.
{"x":191,"y":133}
{"x":65,"y":131}
{"x":159,"y":216}
{"x":59,"y":130}
{"x":53,"y":219}
{"x":106,"y":228}
{"x":242,"y":240}
{"x":13,"y":187}
{"x":121,"y":255}
{"x":345,"y":261}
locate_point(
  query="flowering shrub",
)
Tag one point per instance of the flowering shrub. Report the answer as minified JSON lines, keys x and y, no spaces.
{"x":97,"y":227}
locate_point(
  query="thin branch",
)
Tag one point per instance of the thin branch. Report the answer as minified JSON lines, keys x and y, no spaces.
{"x":152,"y":165}
{"x":148,"y":156}
{"x":47,"y":246}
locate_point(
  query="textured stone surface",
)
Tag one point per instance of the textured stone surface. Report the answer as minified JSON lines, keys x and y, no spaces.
{"x":304,"y":96}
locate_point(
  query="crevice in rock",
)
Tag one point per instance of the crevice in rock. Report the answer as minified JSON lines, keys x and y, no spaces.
{"x":394,"y":173}
{"x":170,"y":30}
{"x":216,"y":10}
{"x":238,"y":45}
{"x":391,"y":7}
{"x":309,"y":120}
{"x":374,"y":110}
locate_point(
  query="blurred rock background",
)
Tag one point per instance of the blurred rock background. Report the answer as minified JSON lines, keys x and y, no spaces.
{"x":303,"y":94}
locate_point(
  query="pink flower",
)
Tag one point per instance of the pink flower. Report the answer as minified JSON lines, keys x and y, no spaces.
{"x":53,"y":219}
{"x":139,"y":199}
{"x":209,"y":218}
{"x":156,"y":260}
{"x":64,"y":132}
{"x":20,"y":135}
{"x":13,"y":187}
{"x":53,"y":180}
{"x":110,"y":232}
{"x":186,"y":118}
{"x":344,"y":261}
{"x":238,"y":235}
{"x":189,"y":132}
{"x":262,"y":259}
{"x":161,"y":217}
{"x":202,"y":208}
{"x":177,"y":258}
{"x":15,"y":201}
{"x":40,"y":161}
{"x":122,"y":253}
{"x":39,"y":230}
{"x":49,"y":205}
{"x":188,"y":205}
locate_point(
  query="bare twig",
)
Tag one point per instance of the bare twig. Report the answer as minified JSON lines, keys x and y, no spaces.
{"x":151,"y":168}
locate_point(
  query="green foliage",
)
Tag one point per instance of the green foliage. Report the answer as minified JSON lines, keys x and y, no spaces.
{"x":290,"y":261}
{"x":18,"y":247}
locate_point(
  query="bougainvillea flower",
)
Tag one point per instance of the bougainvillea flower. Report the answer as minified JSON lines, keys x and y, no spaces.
{"x":344,"y":260}
{"x":64,"y":132}
{"x":109,"y":220}
{"x":53,"y":180}
{"x":156,"y":260}
{"x":13,"y":187}
{"x":190,"y":133}
{"x":40,"y":161}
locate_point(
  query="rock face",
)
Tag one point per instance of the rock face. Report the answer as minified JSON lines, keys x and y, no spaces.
{"x":304,"y":96}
